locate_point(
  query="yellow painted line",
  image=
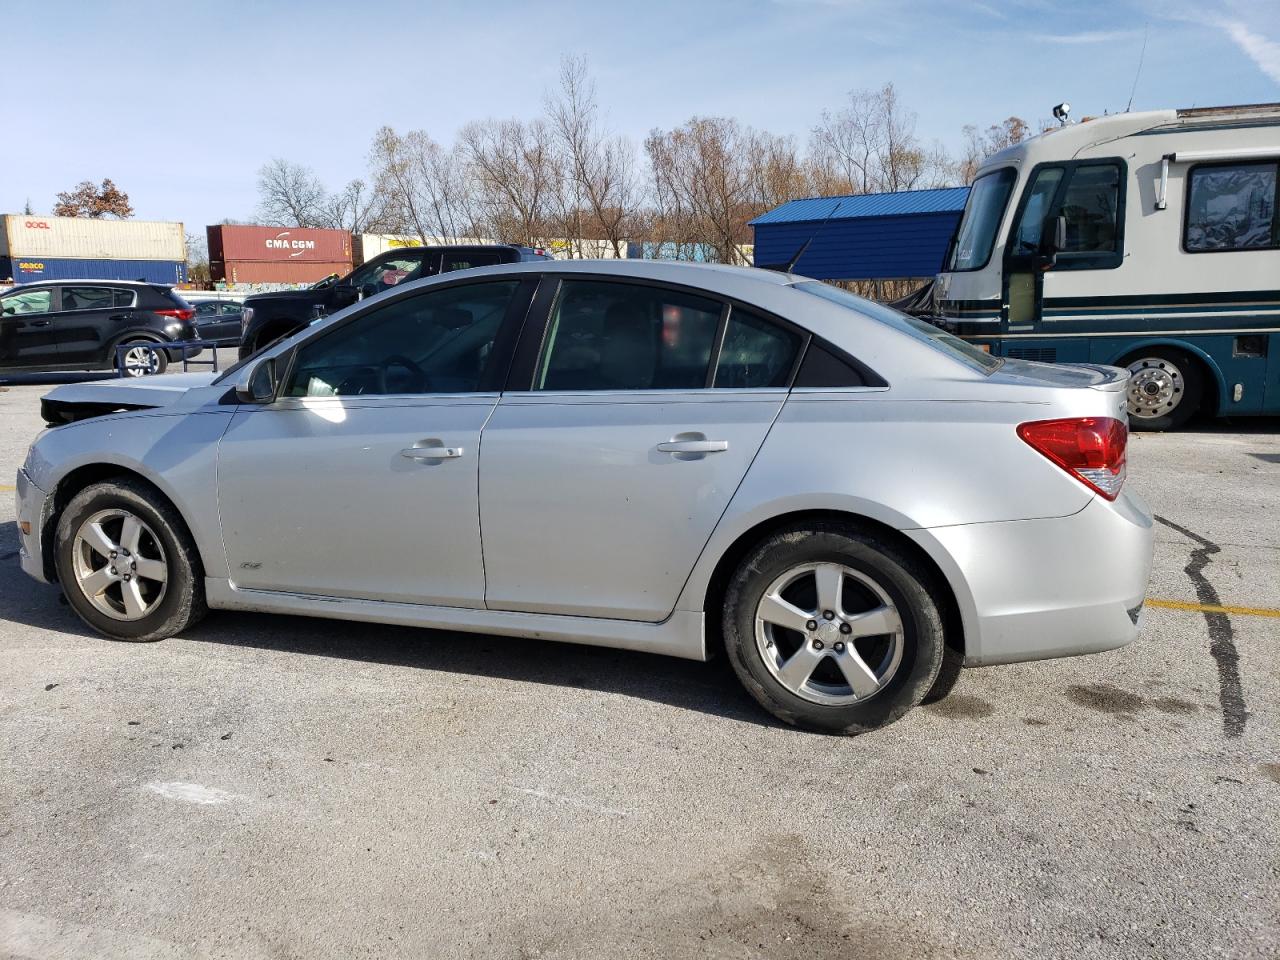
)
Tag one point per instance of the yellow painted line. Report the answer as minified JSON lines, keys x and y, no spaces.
{"x":1214,"y":608}
{"x":7,"y":486}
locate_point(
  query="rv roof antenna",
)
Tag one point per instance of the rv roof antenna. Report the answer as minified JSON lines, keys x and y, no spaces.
{"x":1060,"y":112}
{"x":1142,"y":56}
{"x":791,"y":264}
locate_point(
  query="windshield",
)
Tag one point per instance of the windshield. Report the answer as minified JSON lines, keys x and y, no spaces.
{"x":977,"y":234}
{"x":917,"y":329}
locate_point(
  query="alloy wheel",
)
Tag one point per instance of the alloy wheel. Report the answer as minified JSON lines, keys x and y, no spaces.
{"x":119,"y":564}
{"x":141,"y":361}
{"x":829,"y":634}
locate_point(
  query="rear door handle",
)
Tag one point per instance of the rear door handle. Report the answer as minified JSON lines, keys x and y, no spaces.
{"x":431,"y":451}
{"x":693,"y":446}
{"x":120,"y":316}
{"x":40,"y":323}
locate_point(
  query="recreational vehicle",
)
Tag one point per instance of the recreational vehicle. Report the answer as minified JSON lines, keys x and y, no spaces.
{"x":1146,"y":240}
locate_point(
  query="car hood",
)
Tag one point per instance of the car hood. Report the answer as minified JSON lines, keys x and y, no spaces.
{"x":79,"y":401}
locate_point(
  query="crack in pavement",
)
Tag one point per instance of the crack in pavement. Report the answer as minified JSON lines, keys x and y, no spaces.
{"x":1222,"y":644}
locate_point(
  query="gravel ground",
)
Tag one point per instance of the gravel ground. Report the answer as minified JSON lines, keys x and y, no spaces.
{"x":286,"y":787}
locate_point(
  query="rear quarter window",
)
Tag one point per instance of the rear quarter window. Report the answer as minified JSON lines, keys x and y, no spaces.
{"x":912,"y":327}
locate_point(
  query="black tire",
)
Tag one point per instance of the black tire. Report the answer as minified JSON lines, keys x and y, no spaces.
{"x":909,"y":583}
{"x":161,"y":357}
{"x":1163,"y":410}
{"x":182,"y":602}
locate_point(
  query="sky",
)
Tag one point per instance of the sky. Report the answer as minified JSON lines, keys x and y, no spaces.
{"x":181,"y":103}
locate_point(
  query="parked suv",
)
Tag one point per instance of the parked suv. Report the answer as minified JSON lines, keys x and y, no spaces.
{"x":269,"y":317}
{"x":77,"y":325}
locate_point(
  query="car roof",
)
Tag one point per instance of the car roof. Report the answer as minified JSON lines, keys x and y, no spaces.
{"x":117,"y":283}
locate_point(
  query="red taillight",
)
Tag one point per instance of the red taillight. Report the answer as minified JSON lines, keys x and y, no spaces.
{"x":176,"y":313}
{"x":1089,"y":448}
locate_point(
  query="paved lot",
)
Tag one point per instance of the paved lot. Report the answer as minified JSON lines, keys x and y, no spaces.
{"x":269,"y":786}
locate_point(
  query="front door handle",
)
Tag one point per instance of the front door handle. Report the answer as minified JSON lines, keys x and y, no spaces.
{"x":40,"y":323}
{"x":431,"y":450}
{"x":693,"y":446}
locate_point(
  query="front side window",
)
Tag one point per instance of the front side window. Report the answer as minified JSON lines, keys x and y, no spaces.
{"x":1035,"y":210}
{"x":983,"y":211}
{"x":756,"y":352}
{"x":206,"y":310}
{"x":1232,"y":207}
{"x":621,"y":336}
{"x":27,"y":301}
{"x":386,"y":274}
{"x":88,"y":298}
{"x":438,"y":341}
{"x":1091,"y":206}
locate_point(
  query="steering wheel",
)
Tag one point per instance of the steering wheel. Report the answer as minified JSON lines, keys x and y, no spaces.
{"x":422,"y":382}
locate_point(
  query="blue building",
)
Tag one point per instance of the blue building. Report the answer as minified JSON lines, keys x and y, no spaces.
{"x":868,"y":236}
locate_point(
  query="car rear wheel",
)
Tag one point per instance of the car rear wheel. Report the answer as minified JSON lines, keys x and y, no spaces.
{"x":833,"y":629}
{"x":143,"y":358}
{"x":1165,"y":389}
{"x":127,"y":564}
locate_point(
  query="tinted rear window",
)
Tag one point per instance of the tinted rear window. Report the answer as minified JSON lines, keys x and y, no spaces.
{"x":967,"y":353}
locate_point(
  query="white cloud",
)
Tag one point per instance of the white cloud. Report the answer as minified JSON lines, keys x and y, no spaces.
{"x":1093,"y":36}
{"x":1263,"y":52}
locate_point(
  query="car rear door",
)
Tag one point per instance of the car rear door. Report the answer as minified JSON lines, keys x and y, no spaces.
{"x":90,"y":319}
{"x":360,"y":480}
{"x":618,"y":445}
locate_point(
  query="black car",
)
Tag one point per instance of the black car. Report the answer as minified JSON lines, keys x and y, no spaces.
{"x":270,"y":316}
{"x":217,"y":319}
{"x":77,"y":325}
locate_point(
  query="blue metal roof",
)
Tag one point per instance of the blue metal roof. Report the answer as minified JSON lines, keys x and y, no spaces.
{"x":906,"y":202}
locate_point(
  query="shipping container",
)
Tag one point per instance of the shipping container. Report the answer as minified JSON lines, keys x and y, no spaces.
{"x":24,"y":269}
{"x":278,"y":245}
{"x":256,"y":271}
{"x":366,"y":246}
{"x":30,"y":237}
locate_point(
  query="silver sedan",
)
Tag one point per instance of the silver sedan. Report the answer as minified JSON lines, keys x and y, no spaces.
{"x":680,"y":459}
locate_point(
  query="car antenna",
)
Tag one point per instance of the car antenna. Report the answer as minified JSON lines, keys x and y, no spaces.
{"x":791,"y":264}
{"x":1142,"y":56}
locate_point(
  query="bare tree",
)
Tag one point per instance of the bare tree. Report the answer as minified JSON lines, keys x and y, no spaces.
{"x":980,"y":144}
{"x":597,"y":190}
{"x":870,"y":145}
{"x":711,"y":176}
{"x":358,"y":209}
{"x":424,"y":185}
{"x":511,"y":165}
{"x":290,"y":195}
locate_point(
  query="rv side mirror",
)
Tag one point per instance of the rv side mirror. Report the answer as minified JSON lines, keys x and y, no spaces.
{"x":1053,"y":235}
{"x":257,"y":382}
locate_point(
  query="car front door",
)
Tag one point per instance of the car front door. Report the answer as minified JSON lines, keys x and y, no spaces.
{"x":90,"y":319}
{"x":27,"y":335}
{"x":603,"y":477}
{"x":359,"y":481}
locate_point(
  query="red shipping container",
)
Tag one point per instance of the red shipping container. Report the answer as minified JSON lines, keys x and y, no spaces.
{"x":256,"y":271}
{"x":278,"y":244}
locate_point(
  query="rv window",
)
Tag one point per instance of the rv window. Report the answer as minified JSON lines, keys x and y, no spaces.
{"x":982,"y":214}
{"x":1232,"y":207}
{"x":1026,"y":237}
{"x":1091,"y":205}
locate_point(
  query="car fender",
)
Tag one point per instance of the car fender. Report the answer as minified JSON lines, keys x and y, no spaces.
{"x":736,"y":524}
{"x":177,"y":453}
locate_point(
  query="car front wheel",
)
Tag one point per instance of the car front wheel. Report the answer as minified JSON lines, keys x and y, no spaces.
{"x":127,"y":564}
{"x":834,"y":629}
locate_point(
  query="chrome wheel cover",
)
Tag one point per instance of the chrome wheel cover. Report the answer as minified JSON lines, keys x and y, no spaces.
{"x":847,"y":657}
{"x":1156,"y":387}
{"x":119,"y":564}
{"x":141,"y":361}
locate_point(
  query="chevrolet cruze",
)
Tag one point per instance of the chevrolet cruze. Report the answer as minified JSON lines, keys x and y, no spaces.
{"x":661,"y":457}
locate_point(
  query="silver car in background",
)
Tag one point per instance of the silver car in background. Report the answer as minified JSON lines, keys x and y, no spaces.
{"x":661,"y":457}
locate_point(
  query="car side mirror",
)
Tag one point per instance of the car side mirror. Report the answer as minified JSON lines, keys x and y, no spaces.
{"x":1053,"y":240}
{"x":257,"y":382}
